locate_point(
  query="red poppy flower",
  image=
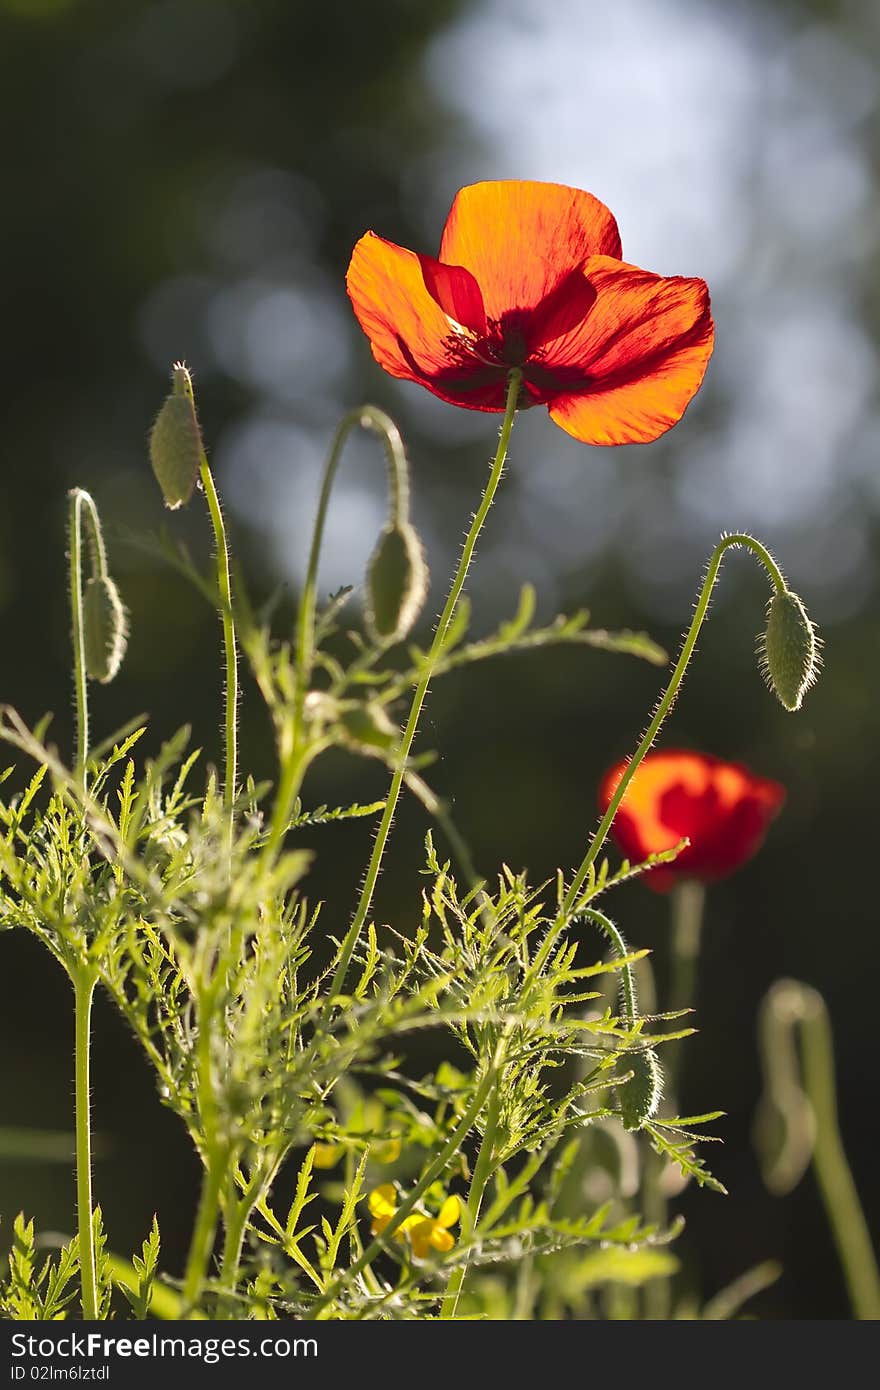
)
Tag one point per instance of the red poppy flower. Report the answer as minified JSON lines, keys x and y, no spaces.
{"x":722,"y":808}
{"x":529,"y":275}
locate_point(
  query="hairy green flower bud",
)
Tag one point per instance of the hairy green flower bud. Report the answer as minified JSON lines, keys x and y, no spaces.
{"x":397,"y":582}
{"x":176,"y":447}
{"x":639,"y":1097}
{"x":789,"y":649}
{"x":105,"y":629}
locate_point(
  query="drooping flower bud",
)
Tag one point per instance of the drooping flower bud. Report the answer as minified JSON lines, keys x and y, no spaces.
{"x":105,"y":628}
{"x":789,"y":649}
{"x":176,"y":447}
{"x":639,"y":1097}
{"x":397,"y":582}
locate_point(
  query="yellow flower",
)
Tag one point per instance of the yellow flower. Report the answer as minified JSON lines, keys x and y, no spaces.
{"x":424,"y":1232}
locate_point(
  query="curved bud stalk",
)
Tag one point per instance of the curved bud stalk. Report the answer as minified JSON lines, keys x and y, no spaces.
{"x":788,"y":670}
{"x":98,"y":617}
{"x":640,"y":1096}
{"x":100,"y":632}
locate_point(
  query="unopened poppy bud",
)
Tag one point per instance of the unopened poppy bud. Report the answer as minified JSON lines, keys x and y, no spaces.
{"x":369,"y":728}
{"x":176,"y":448}
{"x":789,"y":649}
{"x":639,"y":1097}
{"x":397,"y":582}
{"x":105,"y":628}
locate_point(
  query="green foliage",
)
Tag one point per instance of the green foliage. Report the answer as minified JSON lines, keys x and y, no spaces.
{"x":145,"y":1267}
{"x":283,"y":1042}
{"x":37,"y":1289}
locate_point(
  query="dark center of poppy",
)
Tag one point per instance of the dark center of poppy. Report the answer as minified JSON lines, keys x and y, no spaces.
{"x":511,"y":344}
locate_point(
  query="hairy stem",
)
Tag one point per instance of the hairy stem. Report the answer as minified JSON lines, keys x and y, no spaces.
{"x":224,"y":585}
{"x":77,"y":500}
{"x":83,"y":993}
{"x":215,"y":1155}
{"x":430,"y":663}
{"x":479,"y":1182}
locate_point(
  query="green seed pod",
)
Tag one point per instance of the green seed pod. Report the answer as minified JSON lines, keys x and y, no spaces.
{"x":105,"y":629}
{"x":368,"y":728}
{"x":789,"y":649}
{"x":397,"y":582}
{"x":176,"y":448}
{"x":639,"y":1097}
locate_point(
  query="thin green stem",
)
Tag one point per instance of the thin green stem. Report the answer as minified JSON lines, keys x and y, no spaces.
{"x":215,"y":1156}
{"x":430,"y":663}
{"x":83,"y":992}
{"x":204,"y":1234}
{"x":293,"y":761}
{"x":839,"y":1192}
{"x":224,"y":585}
{"x":482,"y":1173}
{"x":430,"y":1175}
{"x":626,"y":976}
{"x":80,"y":683}
{"x":686,"y":929}
{"x":237,"y":1214}
{"x":688,"y":902}
{"x":791,"y":1003}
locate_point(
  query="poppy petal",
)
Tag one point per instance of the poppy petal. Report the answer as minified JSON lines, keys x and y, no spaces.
{"x":519,"y":238}
{"x":563,"y":309}
{"x":456,"y":291}
{"x":724,"y":809}
{"x":408,"y":331}
{"x":643,"y":349}
{"x":410,"y":334}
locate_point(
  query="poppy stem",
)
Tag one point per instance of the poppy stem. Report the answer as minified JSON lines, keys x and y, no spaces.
{"x":294,"y":761}
{"x":429,"y":666}
{"x":224,"y":584}
{"x":483,"y":1169}
{"x":791,"y":1006}
{"x":83,"y":978}
{"x":688,"y":902}
{"x":664,"y":705}
{"x":81,"y":503}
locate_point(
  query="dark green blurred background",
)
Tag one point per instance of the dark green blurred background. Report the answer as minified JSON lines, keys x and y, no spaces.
{"x":186,"y":178}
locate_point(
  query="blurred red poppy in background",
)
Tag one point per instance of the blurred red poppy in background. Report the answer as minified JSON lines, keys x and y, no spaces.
{"x":724,"y":809}
{"x":530,"y":276}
